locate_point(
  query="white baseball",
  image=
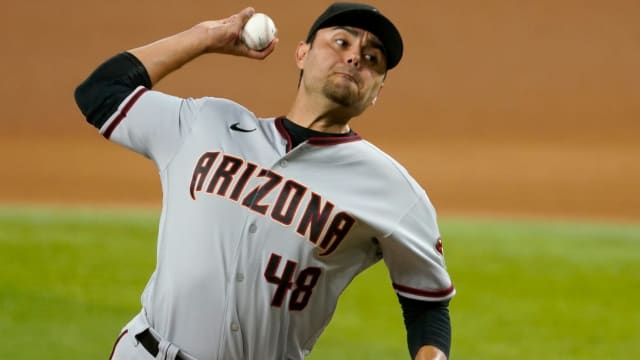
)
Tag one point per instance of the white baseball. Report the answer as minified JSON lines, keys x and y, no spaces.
{"x":258,"y":32}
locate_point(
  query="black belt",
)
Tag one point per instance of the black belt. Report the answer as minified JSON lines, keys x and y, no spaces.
{"x":150,"y":343}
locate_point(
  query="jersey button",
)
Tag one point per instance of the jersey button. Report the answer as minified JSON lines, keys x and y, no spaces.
{"x":235,"y":326}
{"x":253,"y":228}
{"x":284,"y":163}
{"x":239,"y":277}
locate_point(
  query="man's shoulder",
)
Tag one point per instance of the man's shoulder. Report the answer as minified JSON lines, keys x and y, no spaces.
{"x":374,"y":153}
{"x":219,"y":105}
{"x":388,"y":165}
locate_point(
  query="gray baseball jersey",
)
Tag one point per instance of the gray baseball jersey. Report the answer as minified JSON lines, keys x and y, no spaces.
{"x":256,"y":240}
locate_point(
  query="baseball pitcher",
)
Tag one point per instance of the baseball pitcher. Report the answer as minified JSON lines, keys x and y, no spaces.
{"x":265,"y":221}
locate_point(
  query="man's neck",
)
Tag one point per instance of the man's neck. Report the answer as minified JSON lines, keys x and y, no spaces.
{"x":324,"y":116}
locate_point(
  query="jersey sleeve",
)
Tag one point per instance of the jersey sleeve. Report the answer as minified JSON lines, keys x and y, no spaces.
{"x":151,"y":123}
{"x":414,"y":256}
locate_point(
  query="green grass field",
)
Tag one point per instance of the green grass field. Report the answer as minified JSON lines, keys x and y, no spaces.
{"x":70,"y":279}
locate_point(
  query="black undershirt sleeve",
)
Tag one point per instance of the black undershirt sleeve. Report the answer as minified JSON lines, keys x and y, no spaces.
{"x":99,"y":96}
{"x":427,"y":323}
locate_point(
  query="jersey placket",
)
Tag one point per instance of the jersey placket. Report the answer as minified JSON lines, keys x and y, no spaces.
{"x":247,"y":257}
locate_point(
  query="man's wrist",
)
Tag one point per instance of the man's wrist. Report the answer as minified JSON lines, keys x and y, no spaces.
{"x":429,"y":352}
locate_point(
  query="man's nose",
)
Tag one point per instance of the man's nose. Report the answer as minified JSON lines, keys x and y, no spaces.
{"x":354,"y":59}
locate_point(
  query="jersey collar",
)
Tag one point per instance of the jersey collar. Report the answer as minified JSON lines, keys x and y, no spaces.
{"x":325,"y":139}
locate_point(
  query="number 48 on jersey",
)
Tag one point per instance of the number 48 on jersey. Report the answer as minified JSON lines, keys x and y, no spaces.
{"x":301,"y":288}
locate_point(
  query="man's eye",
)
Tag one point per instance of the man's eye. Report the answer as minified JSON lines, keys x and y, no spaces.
{"x":341,"y":42}
{"x":371,"y":58}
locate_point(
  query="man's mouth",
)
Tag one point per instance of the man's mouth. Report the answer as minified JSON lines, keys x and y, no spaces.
{"x":348,"y":76}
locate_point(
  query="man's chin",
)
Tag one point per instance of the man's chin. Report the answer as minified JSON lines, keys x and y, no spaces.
{"x":343,"y":95}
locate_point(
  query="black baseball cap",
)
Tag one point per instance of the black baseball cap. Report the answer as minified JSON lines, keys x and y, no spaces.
{"x":365,"y":17}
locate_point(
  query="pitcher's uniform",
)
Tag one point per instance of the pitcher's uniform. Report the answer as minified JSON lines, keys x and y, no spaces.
{"x":258,"y":240}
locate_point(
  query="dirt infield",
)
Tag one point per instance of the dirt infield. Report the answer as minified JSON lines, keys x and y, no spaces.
{"x":523,"y":109}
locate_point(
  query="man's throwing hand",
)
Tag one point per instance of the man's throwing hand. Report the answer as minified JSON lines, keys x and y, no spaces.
{"x":224,"y":36}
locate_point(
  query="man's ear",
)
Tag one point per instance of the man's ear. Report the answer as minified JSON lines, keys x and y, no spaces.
{"x":375,"y":99}
{"x":301,"y":54}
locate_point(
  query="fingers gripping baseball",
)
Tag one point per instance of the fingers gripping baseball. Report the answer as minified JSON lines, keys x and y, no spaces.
{"x":224,"y":36}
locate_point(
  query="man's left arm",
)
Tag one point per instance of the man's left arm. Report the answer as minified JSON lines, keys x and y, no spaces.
{"x":414,"y":256}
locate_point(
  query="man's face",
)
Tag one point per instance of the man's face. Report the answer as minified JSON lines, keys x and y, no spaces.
{"x":347,"y":65}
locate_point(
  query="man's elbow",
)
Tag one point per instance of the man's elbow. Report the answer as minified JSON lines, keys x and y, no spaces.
{"x":81,"y":96}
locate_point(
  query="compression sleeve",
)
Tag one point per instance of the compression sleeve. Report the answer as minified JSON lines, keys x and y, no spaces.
{"x":99,"y":96}
{"x":427,"y":323}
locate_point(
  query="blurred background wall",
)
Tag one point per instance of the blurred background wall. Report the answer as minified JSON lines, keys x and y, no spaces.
{"x":499,"y":108}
